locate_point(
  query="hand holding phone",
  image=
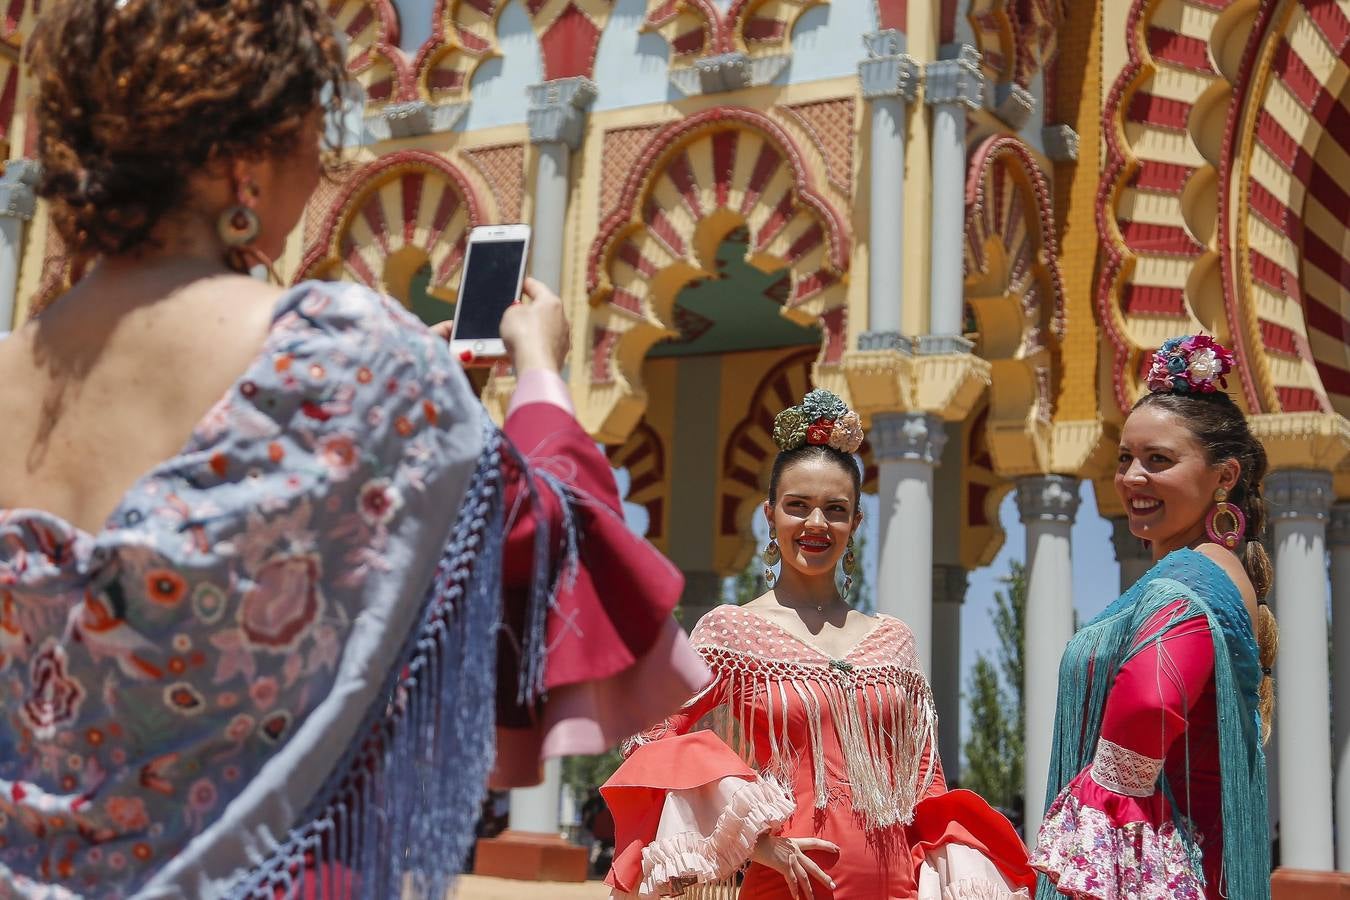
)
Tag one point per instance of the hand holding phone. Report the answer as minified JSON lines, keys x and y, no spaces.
{"x":535,"y":333}
{"x":494,"y":268}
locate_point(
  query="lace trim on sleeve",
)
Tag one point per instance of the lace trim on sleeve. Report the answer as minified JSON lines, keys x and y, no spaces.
{"x":675,"y":862}
{"x":1123,"y":771}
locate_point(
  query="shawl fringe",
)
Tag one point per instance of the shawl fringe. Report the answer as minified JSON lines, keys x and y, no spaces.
{"x":397,"y":814}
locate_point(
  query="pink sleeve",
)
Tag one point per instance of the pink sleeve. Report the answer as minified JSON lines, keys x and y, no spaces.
{"x":540,"y":386}
{"x":1116,"y":801}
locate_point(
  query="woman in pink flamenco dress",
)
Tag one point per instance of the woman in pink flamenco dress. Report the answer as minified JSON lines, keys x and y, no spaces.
{"x":817,"y":774}
{"x":1157,"y":783}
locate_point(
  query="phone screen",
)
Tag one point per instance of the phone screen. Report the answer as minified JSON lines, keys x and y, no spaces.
{"x":491,"y":276}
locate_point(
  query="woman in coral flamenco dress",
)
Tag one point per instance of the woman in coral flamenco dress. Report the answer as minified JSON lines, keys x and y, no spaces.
{"x":1157,"y":784}
{"x":819,"y":769}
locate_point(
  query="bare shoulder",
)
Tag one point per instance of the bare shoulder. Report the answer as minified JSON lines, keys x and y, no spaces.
{"x":1232,"y":566}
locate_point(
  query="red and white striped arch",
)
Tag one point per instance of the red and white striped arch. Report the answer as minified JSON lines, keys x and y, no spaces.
{"x":410,"y":200}
{"x":1219,"y":133}
{"x":1288,"y":207}
{"x":695,"y":181}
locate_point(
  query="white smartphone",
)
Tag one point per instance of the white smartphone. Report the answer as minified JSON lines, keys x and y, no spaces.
{"x":494,"y":270}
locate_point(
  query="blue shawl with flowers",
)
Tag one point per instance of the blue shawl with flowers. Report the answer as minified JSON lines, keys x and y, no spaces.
{"x":279,"y":652}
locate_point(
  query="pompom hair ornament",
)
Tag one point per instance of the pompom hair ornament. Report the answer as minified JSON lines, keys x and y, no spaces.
{"x":822,"y":419}
{"x":1194,"y":364}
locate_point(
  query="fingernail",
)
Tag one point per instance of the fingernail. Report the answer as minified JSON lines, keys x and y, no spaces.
{"x":466,"y":356}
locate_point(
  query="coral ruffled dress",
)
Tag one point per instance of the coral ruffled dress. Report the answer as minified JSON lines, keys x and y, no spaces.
{"x":838,"y":749}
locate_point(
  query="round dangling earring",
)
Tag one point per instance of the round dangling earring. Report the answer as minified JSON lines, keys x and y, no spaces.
{"x":239,"y":227}
{"x":771,"y":556}
{"x":850,"y":563}
{"x":1229,"y":538}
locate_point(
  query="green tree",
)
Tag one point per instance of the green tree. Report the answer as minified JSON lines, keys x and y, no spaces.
{"x":994,"y":751}
{"x":581,"y":773}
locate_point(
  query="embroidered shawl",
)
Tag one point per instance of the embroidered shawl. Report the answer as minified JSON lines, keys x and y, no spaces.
{"x":281,"y":644}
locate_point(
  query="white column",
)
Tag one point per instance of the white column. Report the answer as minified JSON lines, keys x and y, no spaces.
{"x":556,"y":119}
{"x":953,"y":87}
{"x":949,"y":592}
{"x":1338,"y":538}
{"x":1133,"y":556}
{"x":1299,"y":502}
{"x":17,"y":205}
{"x":907,"y":446}
{"x":1047,"y":505}
{"x":889,"y":82}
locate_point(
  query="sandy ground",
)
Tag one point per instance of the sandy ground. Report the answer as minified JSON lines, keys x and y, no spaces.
{"x":476,"y":887}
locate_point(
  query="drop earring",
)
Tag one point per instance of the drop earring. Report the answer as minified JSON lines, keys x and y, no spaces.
{"x":771,"y":556}
{"x":850,"y":564}
{"x":239,"y":227}
{"x":1233,"y":536}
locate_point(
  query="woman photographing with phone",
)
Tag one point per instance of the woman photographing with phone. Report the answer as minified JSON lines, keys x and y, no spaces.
{"x":259,"y":548}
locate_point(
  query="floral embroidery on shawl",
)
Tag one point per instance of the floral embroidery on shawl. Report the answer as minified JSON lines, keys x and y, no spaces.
{"x":344,"y":493}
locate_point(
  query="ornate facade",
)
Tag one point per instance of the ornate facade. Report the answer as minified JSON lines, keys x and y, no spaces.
{"x":970,"y":218}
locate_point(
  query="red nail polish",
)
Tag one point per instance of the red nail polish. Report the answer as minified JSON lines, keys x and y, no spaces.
{"x":466,"y":356}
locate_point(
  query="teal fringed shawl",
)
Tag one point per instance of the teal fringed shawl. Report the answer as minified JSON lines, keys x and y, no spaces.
{"x":1089,"y":668}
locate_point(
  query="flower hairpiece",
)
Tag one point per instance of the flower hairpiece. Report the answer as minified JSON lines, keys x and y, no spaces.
{"x":1194,"y":364}
{"x":822,"y":419}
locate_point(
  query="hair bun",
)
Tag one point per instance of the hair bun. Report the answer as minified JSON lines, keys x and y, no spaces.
{"x":1192,"y":364}
{"x":821,"y":419}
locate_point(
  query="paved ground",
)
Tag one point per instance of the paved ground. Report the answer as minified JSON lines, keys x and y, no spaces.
{"x":476,"y":887}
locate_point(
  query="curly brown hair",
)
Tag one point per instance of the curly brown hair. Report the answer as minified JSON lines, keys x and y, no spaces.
{"x":137,"y":96}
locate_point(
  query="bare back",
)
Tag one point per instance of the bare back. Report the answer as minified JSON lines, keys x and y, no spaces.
{"x":112,"y":380}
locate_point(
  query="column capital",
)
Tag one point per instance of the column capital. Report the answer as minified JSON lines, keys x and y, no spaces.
{"x":1338,"y":531}
{"x":1061,"y":142}
{"x":912,"y":437}
{"x":1047,"y":498}
{"x":958,"y":80}
{"x":888,"y":71}
{"x":1127,"y":546}
{"x":18,"y":198}
{"x":1299,"y":494}
{"x":949,"y":583}
{"x":1013,"y":104}
{"x":557,"y":110}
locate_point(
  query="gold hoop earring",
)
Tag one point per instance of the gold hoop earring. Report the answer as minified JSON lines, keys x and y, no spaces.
{"x":771,"y":555}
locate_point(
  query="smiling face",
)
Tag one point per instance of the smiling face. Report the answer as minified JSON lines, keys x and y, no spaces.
{"x":1165,"y":480}
{"x":815,"y":514}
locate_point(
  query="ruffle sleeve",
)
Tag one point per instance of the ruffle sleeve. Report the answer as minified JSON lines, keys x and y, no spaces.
{"x":1108,"y":835}
{"x":687,"y":810}
{"x":607,"y":628}
{"x":963,"y":849}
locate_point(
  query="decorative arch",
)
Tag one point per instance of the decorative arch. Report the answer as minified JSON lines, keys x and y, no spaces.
{"x":1287,"y":265}
{"x":1017,"y":38}
{"x":748,"y":454}
{"x":1013,"y":286}
{"x":644,"y":456}
{"x":373,"y":55}
{"x":1235,"y":213}
{"x":465,"y":35}
{"x":401,"y":212}
{"x":696,"y":180}
{"x":698,"y":28}
{"x":982,"y":492}
{"x":1156,"y":204}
